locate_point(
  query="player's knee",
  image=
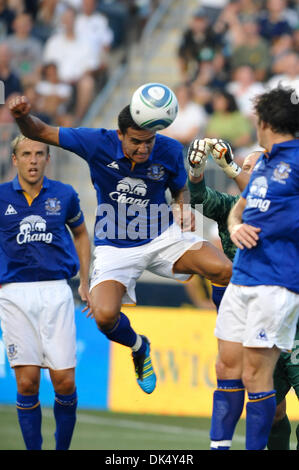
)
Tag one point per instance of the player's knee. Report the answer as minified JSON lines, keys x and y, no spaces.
{"x":28,"y":385}
{"x":105,"y":317}
{"x":251,"y":379}
{"x":65,"y":385}
{"x":221,"y":272}
{"x":225,"y":370}
{"x":280,"y":412}
{"x":228,"y":364}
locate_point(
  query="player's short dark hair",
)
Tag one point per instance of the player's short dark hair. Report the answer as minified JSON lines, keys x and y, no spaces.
{"x":280,"y":109}
{"x":125,"y":120}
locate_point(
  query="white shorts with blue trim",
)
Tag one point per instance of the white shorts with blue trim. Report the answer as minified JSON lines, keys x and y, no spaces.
{"x":38,"y":325}
{"x":126,"y":265}
{"x":258,"y":316}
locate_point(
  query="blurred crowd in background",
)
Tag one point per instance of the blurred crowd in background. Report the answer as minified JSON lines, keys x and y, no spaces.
{"x":58,"y":53}
{"x":232,"y":51}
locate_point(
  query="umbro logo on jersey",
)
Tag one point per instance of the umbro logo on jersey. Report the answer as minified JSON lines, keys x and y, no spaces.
{"x":10,"y":210}
{"x":113,"y":165}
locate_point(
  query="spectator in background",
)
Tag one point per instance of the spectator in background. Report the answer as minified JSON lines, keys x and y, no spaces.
{"x":244,"y":88}
{"x":92,"y":27}
{"x":12,"y":83}
{"x":228,"y":123}
{"x":274,"y":21}
{"x":7,"y":16}
{"x":26,"y":50}
{"x":75,"y":62}
{"x":295,"y":38}
{"x":213,"y":74}
{"x":54,"y":94}
{"x":281,"y":46}
{"x":249,"y":48}
{"x":288,"y":72}
{"x":191,"y":119}
{"x":198,"y":36}
{"x":213,"y":8}
{"x":37,"y":104}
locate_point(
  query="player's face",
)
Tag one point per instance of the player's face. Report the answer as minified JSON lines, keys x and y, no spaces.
{"x":30,"y":159}
{"x":250,"y":161}
{"x":137,"y":144}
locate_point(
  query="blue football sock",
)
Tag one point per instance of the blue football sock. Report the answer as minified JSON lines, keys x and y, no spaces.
{"x":228,"y":402}
{"x":30,"y":420}
{"x":217,"y":294}
{"x":65,"y":415}
{"x":122,"y":332}
{"x":260,"y":412}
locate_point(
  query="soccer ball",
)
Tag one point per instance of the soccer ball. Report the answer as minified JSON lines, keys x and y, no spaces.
{"x":153,"y":106}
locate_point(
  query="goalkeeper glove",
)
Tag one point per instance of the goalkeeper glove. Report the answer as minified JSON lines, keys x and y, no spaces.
{"x":197,"y":155}
{"x":224,"y":157}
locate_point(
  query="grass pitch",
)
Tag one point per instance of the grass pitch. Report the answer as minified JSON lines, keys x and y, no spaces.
{"x":102,"y":430}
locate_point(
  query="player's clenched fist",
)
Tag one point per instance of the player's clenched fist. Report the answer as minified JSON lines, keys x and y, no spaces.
{"x":19,"y":106}
{"x":198,"y":153}
{"x":224,"y":157}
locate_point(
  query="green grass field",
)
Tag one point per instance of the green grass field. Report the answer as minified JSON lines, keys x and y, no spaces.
{"x":99,"y":430}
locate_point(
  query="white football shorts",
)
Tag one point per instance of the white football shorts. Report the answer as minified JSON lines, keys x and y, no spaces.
{"x":258,"y":316}
{"x":126,"y":265}
{"x":38,"y":325}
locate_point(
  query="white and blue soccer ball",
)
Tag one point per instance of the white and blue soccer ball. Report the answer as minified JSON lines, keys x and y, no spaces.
{"x":153,"y":106}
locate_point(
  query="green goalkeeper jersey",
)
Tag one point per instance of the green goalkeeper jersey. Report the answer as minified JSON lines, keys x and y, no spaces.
{"x":216,"y":206}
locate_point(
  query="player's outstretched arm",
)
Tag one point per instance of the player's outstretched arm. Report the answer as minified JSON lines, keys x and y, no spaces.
{"x":31,"y":126}
{"x":242,"y":235}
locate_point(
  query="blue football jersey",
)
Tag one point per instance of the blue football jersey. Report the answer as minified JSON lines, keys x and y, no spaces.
{"x":272,"y":203}
{"x":131,"y":203}
{"x":35,"y":243}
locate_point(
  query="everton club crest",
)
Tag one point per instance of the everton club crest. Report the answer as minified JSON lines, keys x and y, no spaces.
{"x":281,"y":172}
{"x":155,"y":172}
{"x":52,"y":206}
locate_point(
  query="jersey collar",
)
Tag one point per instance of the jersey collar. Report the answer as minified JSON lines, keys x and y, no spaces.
{"x":17,"y":187}
{"x":288,"y":144}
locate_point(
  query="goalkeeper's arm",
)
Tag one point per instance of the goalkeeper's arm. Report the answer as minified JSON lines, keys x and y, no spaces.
{"x":223,"y":156}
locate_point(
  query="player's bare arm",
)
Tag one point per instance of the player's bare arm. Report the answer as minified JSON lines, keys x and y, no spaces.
{"x":31,"y":126}
{"x":242,"y":235}
{"x":82,"y":244}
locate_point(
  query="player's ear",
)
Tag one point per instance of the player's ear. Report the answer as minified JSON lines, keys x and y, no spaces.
{"x":14,"y":159}
{"x":120,"y":134}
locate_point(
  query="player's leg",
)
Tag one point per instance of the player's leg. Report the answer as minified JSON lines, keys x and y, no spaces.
{"x":279,"y":437}
{"x":258,"y":368}
{"x":293,"y":372}
{"x":65,"y":406}
{"x":28,"y":405}
{"x":228,"y":401}
{"x":228,"y":398}
{"x":106,"y":301}
{"x":205,"y":259}
{"x":217,"y":294}
{"x":271,"y":320}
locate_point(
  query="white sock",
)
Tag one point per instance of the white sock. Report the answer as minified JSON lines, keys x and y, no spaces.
{"x":138,"y":344}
